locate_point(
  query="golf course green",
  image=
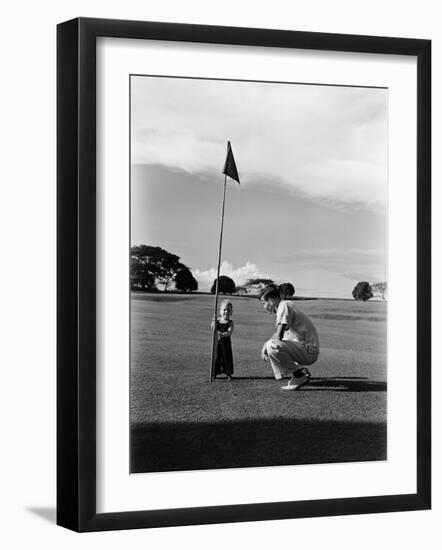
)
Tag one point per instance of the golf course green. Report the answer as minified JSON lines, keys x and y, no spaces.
{"x":181,"y":421}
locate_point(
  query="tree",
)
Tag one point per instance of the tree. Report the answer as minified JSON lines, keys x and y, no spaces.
{"x":286,"y":290}
{"x":141,"y":276}
{"x":362,"y":291}
{"x":241,"y":289}
{"x":184,"y":280}
{"x":151,"y":266}
{"x":226,"y":285}
{"x":258,"y":284}
{"x":380,"y":288}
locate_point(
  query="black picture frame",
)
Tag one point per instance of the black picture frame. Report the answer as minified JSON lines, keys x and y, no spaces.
{"x":76,"y":274}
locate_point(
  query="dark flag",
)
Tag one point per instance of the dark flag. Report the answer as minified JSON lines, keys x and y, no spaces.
{"x":230,"y":166}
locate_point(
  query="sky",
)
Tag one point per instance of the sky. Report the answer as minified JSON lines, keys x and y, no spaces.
{"x":311,"y":208}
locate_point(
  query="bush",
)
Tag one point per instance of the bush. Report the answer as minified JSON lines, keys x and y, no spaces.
{"x":362,"y":291}
{"x":184,"y":280}
{"x":286,"y":290}
{"x":226,"y":285}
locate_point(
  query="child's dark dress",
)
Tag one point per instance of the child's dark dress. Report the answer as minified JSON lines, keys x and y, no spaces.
{"x":224,"y":358}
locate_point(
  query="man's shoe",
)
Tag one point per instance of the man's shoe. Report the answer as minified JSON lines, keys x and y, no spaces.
{"x":296,"y":382}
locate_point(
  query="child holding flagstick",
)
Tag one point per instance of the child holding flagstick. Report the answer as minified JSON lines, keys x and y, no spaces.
{"x":231,"y":171}
{"x":224,"y":329}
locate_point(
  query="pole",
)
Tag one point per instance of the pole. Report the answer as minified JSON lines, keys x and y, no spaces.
{"x":214,"y":339}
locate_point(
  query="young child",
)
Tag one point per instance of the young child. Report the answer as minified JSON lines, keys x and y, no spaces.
{"x":224,"y":330}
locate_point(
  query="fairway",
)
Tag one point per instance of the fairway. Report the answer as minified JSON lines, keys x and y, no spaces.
{"x":179,"y":421}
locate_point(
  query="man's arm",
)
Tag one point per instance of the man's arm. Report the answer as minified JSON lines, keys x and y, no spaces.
{"x":264,"y":354}
{"x":279,"y":334}
{"x":280,"y":329}
{"x":282,"y":320}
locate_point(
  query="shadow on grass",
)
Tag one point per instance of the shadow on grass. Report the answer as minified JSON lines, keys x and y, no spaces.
{"x":250,"y":378}
{"x":276,"y":442}
{"x":335,"y":383}
{"x":340,"y":383}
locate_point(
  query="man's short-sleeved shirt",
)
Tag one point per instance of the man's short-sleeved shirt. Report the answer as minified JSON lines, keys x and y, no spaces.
{"x":299,"y":326}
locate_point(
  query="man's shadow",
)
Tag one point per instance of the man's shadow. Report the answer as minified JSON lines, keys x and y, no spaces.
{"x":253,"y":377}
{"x":333,"y":383}
{"x":343,"y":383}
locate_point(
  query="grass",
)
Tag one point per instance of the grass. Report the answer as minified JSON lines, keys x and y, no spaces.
{"x":179,"y":421}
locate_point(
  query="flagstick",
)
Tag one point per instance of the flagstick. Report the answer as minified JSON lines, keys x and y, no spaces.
{"x":214,"y":339}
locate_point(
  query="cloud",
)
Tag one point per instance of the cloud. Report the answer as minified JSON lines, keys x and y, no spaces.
{"x":324,"y":142}
{"x":353,"y":263}
{"x":240,"y":274}
{"x":323,"y":254}
{"x":356,"y":277}
{"x":314,"y":273}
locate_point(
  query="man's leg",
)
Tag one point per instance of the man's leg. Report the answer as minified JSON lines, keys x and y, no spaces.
{"x":285,"y":359}
{"x":281,"y":360}
{"x":275,"y":360}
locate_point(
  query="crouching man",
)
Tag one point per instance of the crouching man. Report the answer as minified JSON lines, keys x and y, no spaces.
{"x":294,"y":345}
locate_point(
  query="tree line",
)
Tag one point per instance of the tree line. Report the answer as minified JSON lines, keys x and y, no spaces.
{"x":154,"y":269}
{"x":226,"y":285}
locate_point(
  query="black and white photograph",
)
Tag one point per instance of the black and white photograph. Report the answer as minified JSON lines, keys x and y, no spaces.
{"x":225,"y":328}
{"x":258,"y":273}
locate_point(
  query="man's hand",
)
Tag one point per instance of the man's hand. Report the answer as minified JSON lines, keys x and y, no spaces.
{"x":264,"y":354}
